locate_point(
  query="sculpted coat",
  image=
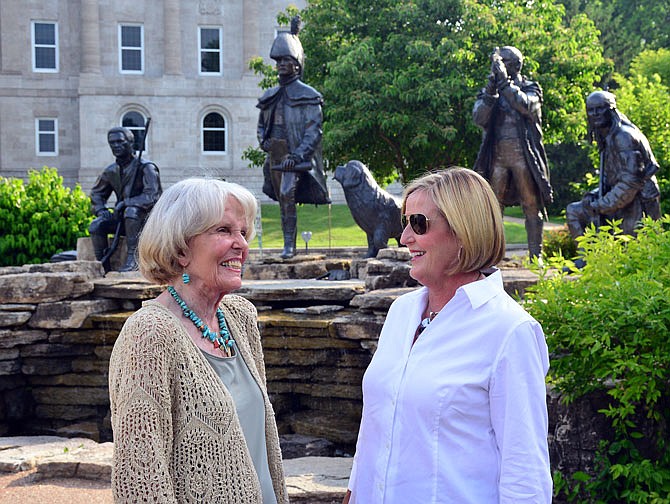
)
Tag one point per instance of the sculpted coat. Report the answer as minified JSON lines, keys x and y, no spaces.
{"x":301,"y":108}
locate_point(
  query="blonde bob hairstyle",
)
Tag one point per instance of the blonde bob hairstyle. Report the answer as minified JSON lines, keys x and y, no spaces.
{"x":186,"y":209}
{"x":468,"y":203}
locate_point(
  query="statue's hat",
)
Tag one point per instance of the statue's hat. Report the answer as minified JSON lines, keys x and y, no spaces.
{"x":288,"y":44}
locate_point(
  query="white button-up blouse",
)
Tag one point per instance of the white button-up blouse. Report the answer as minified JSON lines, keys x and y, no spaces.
{"x":459,"y":417}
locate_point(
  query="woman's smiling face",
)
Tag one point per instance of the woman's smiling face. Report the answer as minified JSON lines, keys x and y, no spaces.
{"x":433,"y":252}
{"x":214,"y":258}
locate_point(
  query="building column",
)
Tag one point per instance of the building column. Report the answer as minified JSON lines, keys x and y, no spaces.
{"x":172,"y":41}
{"x":90,"y":37}
{"x":251,"y":33}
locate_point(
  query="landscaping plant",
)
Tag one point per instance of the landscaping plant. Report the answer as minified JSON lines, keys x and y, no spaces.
{"x":608,"y":328}
{"x":40,"y":218}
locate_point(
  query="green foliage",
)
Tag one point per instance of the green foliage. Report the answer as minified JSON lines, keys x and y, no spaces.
{"x":267,"y":72}
{"x":607,"y":330}
{"x":570,"y":164}
{"x":255,"y":156}
{"x":400,"y":78}
{"x":648,"y":63}
{"x":643,"y":97}
{"x":627,"y":27}
{"x":40,"y":218}
{"x":559,"y":242}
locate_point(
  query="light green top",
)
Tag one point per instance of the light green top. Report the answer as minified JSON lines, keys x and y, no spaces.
{"x":249,"y":405}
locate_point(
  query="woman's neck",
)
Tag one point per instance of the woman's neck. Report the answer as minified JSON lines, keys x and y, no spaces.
{"x":439,"y":297}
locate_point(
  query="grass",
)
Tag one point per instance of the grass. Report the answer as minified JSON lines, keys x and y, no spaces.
{"x":517,"y":212}
{"x":332,"y":226}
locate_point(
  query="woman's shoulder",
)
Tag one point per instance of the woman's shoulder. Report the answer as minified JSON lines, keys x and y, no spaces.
{"x":152,"y":320}
{"x":238,"y":303}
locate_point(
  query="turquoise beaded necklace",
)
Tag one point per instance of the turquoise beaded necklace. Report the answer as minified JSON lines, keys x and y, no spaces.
{"x":221,"y":339}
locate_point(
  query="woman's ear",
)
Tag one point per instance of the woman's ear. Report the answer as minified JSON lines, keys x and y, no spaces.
{"x":183,"y":258}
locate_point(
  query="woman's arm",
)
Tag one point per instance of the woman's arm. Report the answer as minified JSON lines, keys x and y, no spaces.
{"x":139,"y":385}
{"x":519,"y":417}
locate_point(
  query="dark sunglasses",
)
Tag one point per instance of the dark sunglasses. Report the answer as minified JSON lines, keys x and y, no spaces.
{"x":418,"y":222}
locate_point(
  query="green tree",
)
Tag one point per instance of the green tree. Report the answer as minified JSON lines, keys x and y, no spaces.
{"x":400,"y":78}
{"x":626,"y":27}
{"x":645,"y":101}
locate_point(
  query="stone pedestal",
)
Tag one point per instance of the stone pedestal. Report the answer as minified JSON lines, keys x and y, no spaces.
{"x":118,"y":259}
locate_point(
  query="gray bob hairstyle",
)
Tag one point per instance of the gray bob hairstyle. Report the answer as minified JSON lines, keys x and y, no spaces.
{"x":186,"y":209}
{"x":471,"y":208}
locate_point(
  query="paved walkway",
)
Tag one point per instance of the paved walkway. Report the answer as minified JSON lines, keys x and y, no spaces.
{"x":55,"y":470}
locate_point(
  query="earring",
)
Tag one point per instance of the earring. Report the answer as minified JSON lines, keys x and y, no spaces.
{"x":185,"y":278}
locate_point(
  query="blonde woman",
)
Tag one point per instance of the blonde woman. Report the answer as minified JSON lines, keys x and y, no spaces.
{"x":454,"y":400}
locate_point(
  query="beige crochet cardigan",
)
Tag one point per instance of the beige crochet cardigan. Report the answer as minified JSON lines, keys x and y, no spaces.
{"x":177,"y":438}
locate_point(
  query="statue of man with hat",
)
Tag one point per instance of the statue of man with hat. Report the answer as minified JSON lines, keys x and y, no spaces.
{"x":289,"y":131}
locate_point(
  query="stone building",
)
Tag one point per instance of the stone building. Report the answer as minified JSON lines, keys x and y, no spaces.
{"x":71,"y":69}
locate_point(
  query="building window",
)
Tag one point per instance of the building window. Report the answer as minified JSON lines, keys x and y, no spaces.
{"x":46,"y":137}
{"x":214,"y":134}
{"x":136,"y":123}
{"x":45,"y":46}
{"x":131,"y":49}
{"x":211,"y":55}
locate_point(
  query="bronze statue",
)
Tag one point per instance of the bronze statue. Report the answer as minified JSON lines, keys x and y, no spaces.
{"x":627,"y":187}
{"x":136,"y":184}
{"x":512,"y":156}
{"x":375,"y":211}
{"x":289,"y":130}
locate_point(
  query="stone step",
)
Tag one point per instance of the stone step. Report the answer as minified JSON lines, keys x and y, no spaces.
{"x":308,"y":479}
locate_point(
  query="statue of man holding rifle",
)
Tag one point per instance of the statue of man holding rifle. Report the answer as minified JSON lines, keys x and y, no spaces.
{"x":136,"y":184}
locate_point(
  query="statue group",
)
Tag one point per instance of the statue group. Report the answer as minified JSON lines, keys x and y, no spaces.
{"x":511,"y":157}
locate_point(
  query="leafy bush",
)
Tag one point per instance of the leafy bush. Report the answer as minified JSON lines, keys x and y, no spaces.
{"x":607,"y":328}
{"x":559,"y":242}
{"x":40,"y":218}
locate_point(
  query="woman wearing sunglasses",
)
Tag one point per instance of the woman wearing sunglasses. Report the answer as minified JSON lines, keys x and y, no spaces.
{"x":454,"y":399}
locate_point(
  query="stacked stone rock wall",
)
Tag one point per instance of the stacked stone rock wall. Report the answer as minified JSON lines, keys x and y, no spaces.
{"x":53,"y":363}
{"x":59,"y":322}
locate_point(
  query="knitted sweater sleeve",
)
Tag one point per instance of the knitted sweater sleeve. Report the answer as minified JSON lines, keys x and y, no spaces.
{"x":139,"y":385}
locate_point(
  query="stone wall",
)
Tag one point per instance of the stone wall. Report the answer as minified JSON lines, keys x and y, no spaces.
{"x":53,"y":358}
{"x":59,"y":322}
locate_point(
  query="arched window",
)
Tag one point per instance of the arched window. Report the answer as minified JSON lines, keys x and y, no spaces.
{"x":136,"y":123}
{"x":214,"y":133}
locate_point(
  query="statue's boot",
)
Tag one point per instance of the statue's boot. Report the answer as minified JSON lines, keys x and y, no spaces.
{"x":133,"y":228}
{"x":100,"y":244}
{"x":289,"y":224}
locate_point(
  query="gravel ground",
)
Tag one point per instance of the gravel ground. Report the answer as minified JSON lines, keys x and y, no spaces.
{"x":21,"y":488}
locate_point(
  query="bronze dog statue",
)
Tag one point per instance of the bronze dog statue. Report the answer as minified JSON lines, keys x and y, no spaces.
{"x":376,"y":211}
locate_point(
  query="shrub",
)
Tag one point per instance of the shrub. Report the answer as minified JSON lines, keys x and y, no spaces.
{"x":559,"y":242}
{"x":607,"y":328}
{"x":40,"y":218}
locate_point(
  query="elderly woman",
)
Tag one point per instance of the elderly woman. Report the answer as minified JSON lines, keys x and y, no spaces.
{"x":454,"y":399}
{"x":191,"y":416}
